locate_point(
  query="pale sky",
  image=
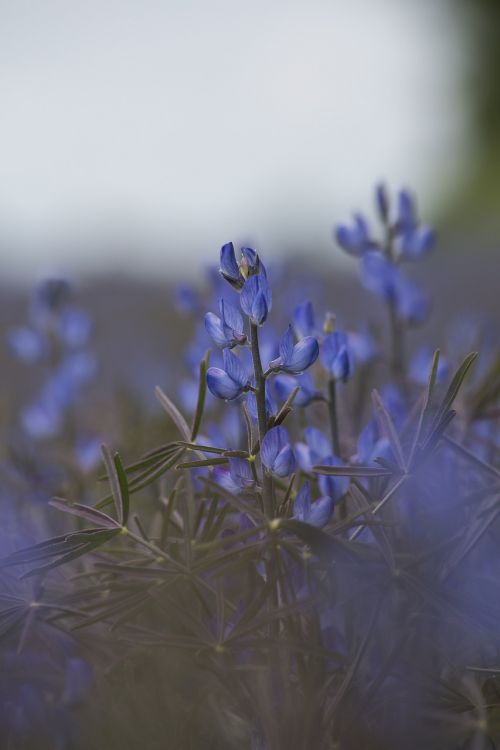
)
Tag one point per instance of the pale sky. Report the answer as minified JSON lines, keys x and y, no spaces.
{"x":177,"y":125}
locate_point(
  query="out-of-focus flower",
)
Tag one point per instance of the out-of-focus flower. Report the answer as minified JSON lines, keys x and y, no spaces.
{"x":226,"y":330}
{"x":415,"y":241}
{"x":315,"y":448}
{"x":336,"y":356}
{"x":316,"y":513}
{"x":334,"y":487}
{"x":386,"y":280}
{"x":295,"y":358}
{"x":304,"y":322}
{"x":362,"y":344}
{"x":27,"y":344}
{"x":230,"y":382}
{"x":276,"y":452}
{"x":286,"y":384}
{"x":354,"y":239}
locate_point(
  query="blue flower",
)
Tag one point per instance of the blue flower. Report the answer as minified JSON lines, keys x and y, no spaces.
{"x":252,"y":404}
{"x":236,"y":478}
{"x":318,"y":513}
{"x":229,"y":268}
{"x":371,"y":445}
{"x":362,"y":345}
{"x":304,"y":323}
{"x":295,"y":358}
{"x":314,"y":450}
{"x":276,"y":452}
{"x":354,"y":239}
{"x":336,"y":356}
{"x":230,"y":382}
{"x":26,"y":344}
{"x":385,"y":279}
{"x":334,"y":487}
{"x":256,"y":299}
{"x":286,"y":384}
{"x":187,"y":299}
{"x":414,"y":240}
{"x":226,"y":331}
{"x":75,"y":328}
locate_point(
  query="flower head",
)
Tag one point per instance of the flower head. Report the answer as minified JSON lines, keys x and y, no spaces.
{"x":230,"y":382}
{"x":295,"y":358}
{"x":256,"y":298}
{"x":318,"y":513}
{"x":226,"y":330}
{"x":276,"y":452}
{"x":336,"y":356}
{"x":354,"y":239}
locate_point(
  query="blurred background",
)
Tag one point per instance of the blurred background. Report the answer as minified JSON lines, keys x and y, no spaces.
{"x":137,"y":137}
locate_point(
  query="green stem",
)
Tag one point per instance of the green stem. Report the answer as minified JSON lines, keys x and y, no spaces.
{"x":260,"y":398}
{"x":332,"y":411}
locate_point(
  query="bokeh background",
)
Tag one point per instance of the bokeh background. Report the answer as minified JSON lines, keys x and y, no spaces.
{"x":137,"y":137}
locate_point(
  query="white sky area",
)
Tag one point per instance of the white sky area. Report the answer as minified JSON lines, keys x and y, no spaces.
{"x":173,"y":126}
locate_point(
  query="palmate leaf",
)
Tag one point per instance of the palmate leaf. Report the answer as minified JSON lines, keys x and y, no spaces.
{"x":329,"y":548}
{"x":59,"y":550}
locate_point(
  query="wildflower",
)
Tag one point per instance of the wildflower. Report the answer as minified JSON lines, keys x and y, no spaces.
{"x":304,"y":323}
{"x":354,"y":239}
{"x":315,"y":448}
{"x":414,"y":240}
{"x":276,"y":452}
{"x":235,"y":478}
{"x":336,"y":356}
{"x":286,"y":384}
{"x":230,"y":382}
{"x":362,"y":345}
{"x":295,"y":358}
{"x":318,"y":513}
{"x":385,"y":279}
{"x":226,"y":331}
{"x":334,"y":487}
{"x":256,"y":299}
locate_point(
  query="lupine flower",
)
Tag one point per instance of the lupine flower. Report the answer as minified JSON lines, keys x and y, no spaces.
{"x":362,"y":345}
{"x":336,"y":356}
{"x":256,"y":299}
{"x":27,"y":344}
{"x":386,"y":280}
{"x":286,"y":384}
{"x":276,"y":452}
{"x":304,"y":323}
{"x":236,"y":477}
{"x":229,"y":267}
{"x":318,"y":513}
{"x":315,"y":448}
{"x":421,"y":363}
{"x":236,"y":273}
{"x":226,"y":331}
{"x":334,"y":487}
{"x":187,"y":299}
{"x":354,"y":239}
{"x":270,"y":404}
{"x":371,"y":445}
{"x":75,"y":328}
{"x":230,"y":382}
{"x":295,"y":358}
{"x":414,"y":240}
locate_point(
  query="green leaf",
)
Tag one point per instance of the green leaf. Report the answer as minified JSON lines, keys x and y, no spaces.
{"x":123,"y":485}
{"x":352,"y":471}
{"x":388,"y":428}
{"x":83,"y":511}
{"x":114,"y":482}
{"x":454,"y":387}
{"x":174,"y":413}
{"x":202,"y":390}
{"x":202,"y":463}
